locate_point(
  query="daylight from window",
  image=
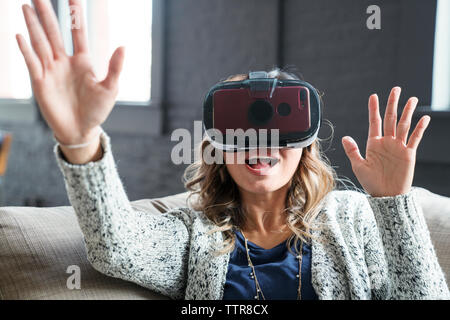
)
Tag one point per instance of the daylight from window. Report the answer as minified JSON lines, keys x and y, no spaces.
{"x":14,"y":79}
{"x":123,"y":23}
{"x":441,"y":65}
{"x":119,"y":23}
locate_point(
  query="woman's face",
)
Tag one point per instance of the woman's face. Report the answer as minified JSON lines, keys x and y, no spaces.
{"x":263,"y":173}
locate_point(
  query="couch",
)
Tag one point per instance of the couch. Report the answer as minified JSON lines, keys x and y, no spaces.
{"x":39,"y":248}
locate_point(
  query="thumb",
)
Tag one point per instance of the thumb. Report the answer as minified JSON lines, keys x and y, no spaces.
{"x":115,"y":68}
{"x":352,"y":150}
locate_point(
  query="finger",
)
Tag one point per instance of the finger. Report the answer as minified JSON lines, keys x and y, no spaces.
{"x":51,"y":26}
{"x":417,"y":134}
{"x":115,"y":68}
{"x":31,"y":59}
{"x":390,"y":116}
{"x":374,"y":117}
{"x":405,"y":121}
{"x":79,"y":32}
{"x":352,"y":151}
{"x":38,"y":38}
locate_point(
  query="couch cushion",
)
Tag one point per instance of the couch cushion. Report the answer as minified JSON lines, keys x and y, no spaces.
{"x":36,"y":248}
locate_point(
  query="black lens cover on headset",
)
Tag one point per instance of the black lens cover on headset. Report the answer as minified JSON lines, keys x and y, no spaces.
{"x":242,"y":115}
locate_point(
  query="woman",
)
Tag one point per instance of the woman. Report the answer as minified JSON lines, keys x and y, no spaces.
{"x":289,"y":235}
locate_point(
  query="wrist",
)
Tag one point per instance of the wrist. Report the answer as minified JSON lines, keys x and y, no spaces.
{"x":80,"y":141}
{"x":81,"y":155}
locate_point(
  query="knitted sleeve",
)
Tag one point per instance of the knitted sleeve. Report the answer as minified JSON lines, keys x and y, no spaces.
{"x":146,"y":248}
{"x":401,"y":259}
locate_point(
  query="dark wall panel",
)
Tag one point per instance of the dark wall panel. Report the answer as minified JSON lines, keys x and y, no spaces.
{"x":210,"y":40}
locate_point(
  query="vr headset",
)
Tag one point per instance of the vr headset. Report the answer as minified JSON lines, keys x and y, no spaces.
{"x":261,"y":112}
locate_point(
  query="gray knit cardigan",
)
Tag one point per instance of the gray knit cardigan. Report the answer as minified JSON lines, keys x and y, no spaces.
{"x":364,"y":247}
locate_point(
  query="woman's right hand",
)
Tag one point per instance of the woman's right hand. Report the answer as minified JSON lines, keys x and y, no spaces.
{"x":72,"y":101}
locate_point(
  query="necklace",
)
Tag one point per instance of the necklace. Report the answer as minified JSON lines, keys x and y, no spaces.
{"x":259,"y":293}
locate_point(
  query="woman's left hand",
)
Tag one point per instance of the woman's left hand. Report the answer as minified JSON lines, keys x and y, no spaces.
{"x":388,"y":169}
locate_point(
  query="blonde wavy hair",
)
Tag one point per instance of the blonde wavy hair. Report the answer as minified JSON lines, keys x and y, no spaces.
{"x":217,"y":195}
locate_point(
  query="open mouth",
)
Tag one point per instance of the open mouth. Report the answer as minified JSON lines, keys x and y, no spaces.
{"x":261,"y":163}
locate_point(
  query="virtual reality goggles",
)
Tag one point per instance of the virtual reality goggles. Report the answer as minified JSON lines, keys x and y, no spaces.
{"x":262,"y":112}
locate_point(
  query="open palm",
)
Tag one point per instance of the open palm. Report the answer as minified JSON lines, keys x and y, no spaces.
{"x":388,"y":169}
{"x":72,"y":101}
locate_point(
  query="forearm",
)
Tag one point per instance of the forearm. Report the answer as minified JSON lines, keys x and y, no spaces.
{"x":143,"y":247}
{"x":90,"y":153}
{"x":413,"y":268}
{"x":95,"y":192}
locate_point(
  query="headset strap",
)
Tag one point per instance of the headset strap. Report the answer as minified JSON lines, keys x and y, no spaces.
{"x":258,"y":75}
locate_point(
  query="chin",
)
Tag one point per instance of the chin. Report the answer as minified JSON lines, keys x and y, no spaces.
{"x":263,"y":175}
{"x":265,"y":185}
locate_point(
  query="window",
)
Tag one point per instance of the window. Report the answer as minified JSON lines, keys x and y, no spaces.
{"x":14,"y":80}
{"x":441,"y":64}
{"x":15,"y":87}
{"x":112,"y":24}
{"x":136,"y":24}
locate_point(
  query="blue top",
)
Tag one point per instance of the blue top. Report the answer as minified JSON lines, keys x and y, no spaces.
{"x":276,"y":270}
